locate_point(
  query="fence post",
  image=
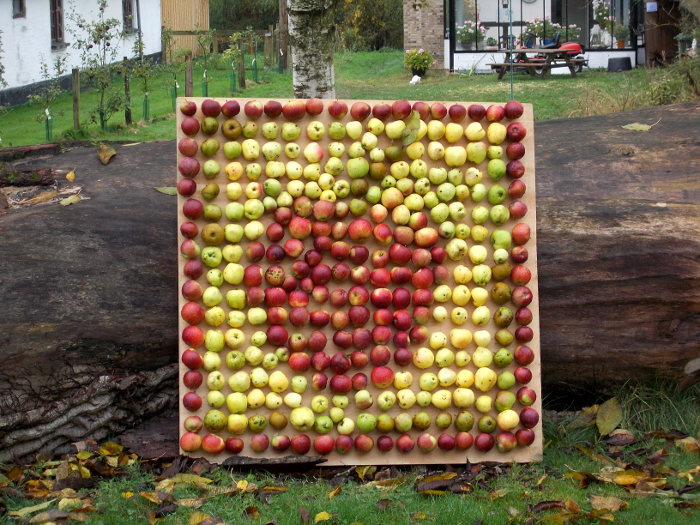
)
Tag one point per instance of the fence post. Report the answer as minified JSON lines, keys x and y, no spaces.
{"x":241,"y":66}
{"x":127,"y":93}
{"x":75,"y":85}
{"x":188,"y":77}
{"x":284,"y":34}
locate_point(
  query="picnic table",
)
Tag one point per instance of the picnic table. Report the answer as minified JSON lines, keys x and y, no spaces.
{"x":537,"y":62}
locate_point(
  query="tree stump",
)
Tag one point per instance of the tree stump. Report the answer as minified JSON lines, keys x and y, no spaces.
{"x":88,"y":332}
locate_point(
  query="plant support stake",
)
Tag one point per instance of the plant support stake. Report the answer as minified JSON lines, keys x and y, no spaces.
{"x":48,"y":125}
{"x":146,"y":107}
{"x":205,"y":84}
{"x":173,"y":92}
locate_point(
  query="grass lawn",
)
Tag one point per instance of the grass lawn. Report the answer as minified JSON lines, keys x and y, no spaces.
{"x":646,"y":474}
{"x":367,"y":75}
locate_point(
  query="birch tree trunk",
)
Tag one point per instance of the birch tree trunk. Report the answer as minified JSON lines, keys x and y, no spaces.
{"x":311,"y":33}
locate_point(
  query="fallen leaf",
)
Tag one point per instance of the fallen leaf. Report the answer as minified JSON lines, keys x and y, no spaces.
{"x":610,"y":503}
{"x":629,"y":477}
{"x":620,"y":438}
{"x":637,"y":126}
{"x":365,"y":471}
{"x":69,"y":503}
{"x":52,"y":516}
{"x":252,"y":512}
{"x":168,"y":190}
{"x":666,"y":434}
{"x":200,"y":518}
{"x":15,"y":474}
{"x":410,"y":132}
{"x":609,"y":416}
{"x":105,"y":153}
{"x":584,"y":418}
{"x":127,"y":495}
{"x":304,"y":515}
{"x":686,"y":505}
{"x":498,"y":494}
{"x":38,"y":488}
{"x":333,"y":493}
{"x":26,"y":511}
{"x":322,"y":516}
{"x":383,"y":503}
{"x":70,"y":175}
{"x":689,"y":444}
{"x":420,"y":516}
{"x":73,"y":199}
{"x":545,"y":505}
{"x":436,"y":482}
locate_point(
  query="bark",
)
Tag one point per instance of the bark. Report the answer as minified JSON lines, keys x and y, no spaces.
{"x":311,"y":38}
{"x":88,"y":331}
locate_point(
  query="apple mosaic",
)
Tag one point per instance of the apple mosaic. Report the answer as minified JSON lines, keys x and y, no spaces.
{"x":358,"y":280}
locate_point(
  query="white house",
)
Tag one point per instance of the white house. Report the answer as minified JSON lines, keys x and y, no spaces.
{"x":36,"y":31}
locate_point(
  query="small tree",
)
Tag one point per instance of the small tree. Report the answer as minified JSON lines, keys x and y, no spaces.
{"x":232,"y":56}
{"x":49,"y":91}
{"x":144,"y":69}
{"x":97,"y":41}
{"x":205,"y":39}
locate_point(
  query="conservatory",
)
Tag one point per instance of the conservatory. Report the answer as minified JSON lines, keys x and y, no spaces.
{"x":475,"y":30}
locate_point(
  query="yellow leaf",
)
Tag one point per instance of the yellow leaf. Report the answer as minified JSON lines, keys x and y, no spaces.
{"x":50,"y":516}
{"x":105,"y":153}
{"x":637,"y":126}
{"x":84,"y":454}
{"x":610,"y":503}
{"x":70,"y":175}
{"x":167,"y":485}
{"x":365,"y":471}
{"x":333,"y":493}
{"x":629,"y":477}
{"x":498,"y":494}
{"x":322,"y":516}
{"x":26,"y":511}
{"x":411,"y":130}
{"x":69,"y":503}
{"x":420,"y":516}
{"x":110,"y":448}
{"x":70,"y":200}
{"x":689,"y":444}
{"x":201,"y":517}
{"x":192,"y":503}
{"x":127,"y":495}
{"x":252,"y":512}
{"x":168,"y":190}
{"x":151,"y":496}
{"x":609,"y":416}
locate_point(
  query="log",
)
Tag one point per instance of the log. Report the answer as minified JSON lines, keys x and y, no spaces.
{"x":88,"y":332}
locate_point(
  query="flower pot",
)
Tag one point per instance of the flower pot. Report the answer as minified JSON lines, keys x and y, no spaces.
{"x":419,"y":72}
{"x":620,"y":44}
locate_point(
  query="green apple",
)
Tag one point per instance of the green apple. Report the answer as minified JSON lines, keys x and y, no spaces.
{"x":336,"y":130}
{"x":366,"y":422}
{"x":290,"y":131}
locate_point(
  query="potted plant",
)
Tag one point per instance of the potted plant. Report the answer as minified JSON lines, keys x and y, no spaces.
{"x":621,"y":34}
{"x":491,"y":43}
{"x":418,"y":60}
{"x":470,"y":33}
{"x":571,"y":33}
{"x":543,"y":28}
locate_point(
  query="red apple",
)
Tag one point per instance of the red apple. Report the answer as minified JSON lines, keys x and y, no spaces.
{"x":231,"y":108}
{"x":317,"y":340}
{"x":191,"y":359}
{"x":513,"y":109}
{"x":381,"y":111}
{"x":494,"y":113}
{"x":272,"y":108}
{"x":299,"y":315}
{"x":524,"y":355}
{"x":523,"y":316}
{"x":359,"y":358}
{"x":319,"y":318}
{"x":419,"y":334}
{"x":192,"y":379}
{"x":191,"y":401}
{"x":520,"y":275}
{"x":484,"y":442}
{"x":193,"y":268}
{"x":476,"y":112}
{"x":403,"y":356}
{"x":517,"y":210}
{"x":277,"y":335}
{"x":426,"y":442}
{"x":280,"y":442}
{"x":293,"y":248}
{"x":193,"y":423}
{"x":314,"y":106}
{"x":343,"y":444}
{"x":521,"y":296}
{"x":255,"y":251}
{"x":188,"y":107}
{"x":186,"y":188}
{"x":360,"y":275}
{"x":259,"y":442}
{"x":189,"y":441}
{"x":192,"y":312}
{"x":519,"y":254}
{"x":385,"y":443}
{"x":421,"y":314}
{"x":210,"y":108}
{"x":422,"y":108}
{"x":300,"y":444}
{"x":193,"y":209}
{"x":522,"y":375}
{"x":401,"y":109}
{"x":402,"y":320}
{"x":338,"y":109}
{"x":363,"y":443}
{"x":189,"y":126}
{"x":340,"y":319}
{"x":358,"y":254}
{"x":505,"y":442}
{"x":438,"y":110}
{"x":380,"y":355}
{"x":359,"y":230}
{"x":525,"y":437}
{"x":515,"y":151}
{"x":380,"y":277}
{"x":193,"y":336}
{"x":401,"y":339}
{"x":521,"y":234}
{"x":524,"y":334}
{"x":300,"y":227}
{"x":401,"y":298}
{"x":359,"y":381}
{"x":253,"y":109}
{"x":405,"y":443}
{"x":526,"y":396}
{"x":529,"y":417}
{"x":382,"y":376}
{"x":188,"y":147}
{"x":463,"y":440}
{"x":299,"y":361}
{"x":457,"y":112}
{"x":446,"y":442}
{"x":360,"y":110}
{"x":516,"y":131}
{"x":341,"y":384}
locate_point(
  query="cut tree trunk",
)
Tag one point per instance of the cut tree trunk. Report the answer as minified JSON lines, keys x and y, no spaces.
{"x":311,"y":38}
{"x":88,"y":332}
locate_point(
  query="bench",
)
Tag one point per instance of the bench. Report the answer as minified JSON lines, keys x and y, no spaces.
{"x":536,"y":67}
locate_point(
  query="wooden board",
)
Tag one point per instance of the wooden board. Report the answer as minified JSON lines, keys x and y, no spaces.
{"x":520,"y":454}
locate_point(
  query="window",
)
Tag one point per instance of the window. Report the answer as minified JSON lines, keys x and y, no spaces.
{"x":19,"y":9}
{"x":57,"y":36}
{"x":128,"y":15}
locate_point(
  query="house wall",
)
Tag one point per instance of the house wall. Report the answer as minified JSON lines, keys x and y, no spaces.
{"x":423,"y":28}
{"x":26,"y":42}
